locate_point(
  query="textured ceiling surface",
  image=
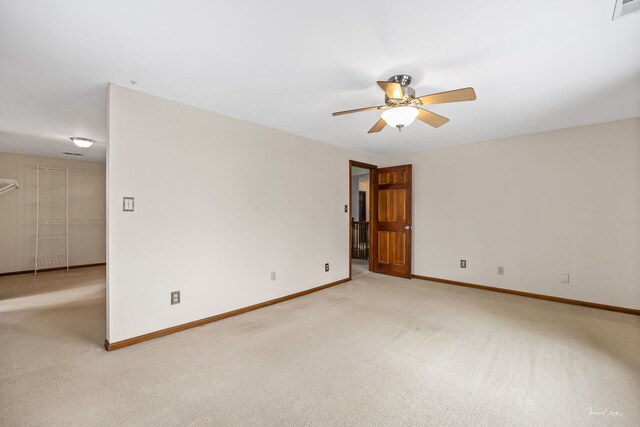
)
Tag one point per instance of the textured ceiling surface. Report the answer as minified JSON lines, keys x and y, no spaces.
{"x":535,"y":66}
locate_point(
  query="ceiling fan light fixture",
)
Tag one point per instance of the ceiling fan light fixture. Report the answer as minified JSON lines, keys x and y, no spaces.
{"x":400,"y":117}
{"x":82,"y":142}
{"x":401,"y":106}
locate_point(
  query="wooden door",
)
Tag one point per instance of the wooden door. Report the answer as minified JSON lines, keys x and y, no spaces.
{"x":392,"y":221}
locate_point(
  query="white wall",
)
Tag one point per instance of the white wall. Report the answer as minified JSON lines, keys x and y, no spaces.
{"x":219,"y":205}
{"x":363,"y":185}
{"x":18,"y":213}
{"x":359,"y":182}
{"x":566,"y":201}
{"x":355,"y":204}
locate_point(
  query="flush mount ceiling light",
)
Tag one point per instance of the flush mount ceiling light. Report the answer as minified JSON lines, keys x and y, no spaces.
{"x":400,"y":117}
{"x":82,"y":142}
{"x":401,"y":106}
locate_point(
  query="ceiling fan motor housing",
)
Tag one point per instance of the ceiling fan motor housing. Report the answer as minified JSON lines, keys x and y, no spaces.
{"x":408,"y":94}
{"x":403,"y":79}
{"x":408,"y":91}
{"x":408,"y":98}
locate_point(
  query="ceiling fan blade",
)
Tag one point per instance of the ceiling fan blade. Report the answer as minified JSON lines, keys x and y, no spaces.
{"x":432,"y":119}
{"x":357,"y":110}
{"x":378,"y":126}
{"x":392,"y":89}
{"x":458,"y":95}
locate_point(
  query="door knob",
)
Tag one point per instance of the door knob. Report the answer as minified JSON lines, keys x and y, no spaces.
{"x":407,"y":227}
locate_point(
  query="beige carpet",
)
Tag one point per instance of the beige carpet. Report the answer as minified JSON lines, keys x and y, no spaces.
{"x":359,"y":267}
{"x":374,"y":351}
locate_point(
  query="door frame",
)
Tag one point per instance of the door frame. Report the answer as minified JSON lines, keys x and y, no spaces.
{"x":372,"y":211}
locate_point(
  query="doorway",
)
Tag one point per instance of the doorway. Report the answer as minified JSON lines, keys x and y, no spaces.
{"x":360,"y":212}
{"x":380,"y":226}
{"x":52,"y":269}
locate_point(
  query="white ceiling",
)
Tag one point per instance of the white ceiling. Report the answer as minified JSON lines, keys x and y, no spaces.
{"x":288,"y":64}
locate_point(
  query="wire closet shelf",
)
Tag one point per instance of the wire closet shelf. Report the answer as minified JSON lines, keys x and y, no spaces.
{"x":60,"y":260}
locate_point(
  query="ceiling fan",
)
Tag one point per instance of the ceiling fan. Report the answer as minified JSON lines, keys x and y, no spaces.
{"x":402,"y":107}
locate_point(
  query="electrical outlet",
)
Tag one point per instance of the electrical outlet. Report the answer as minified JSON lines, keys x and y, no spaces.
{"x":564,"y":278}
{"x":273,"y":276}
{"x":501,"y":271}
{"x":463,"y":263}
{"x":346,"y":208}
{"x":326,"y":267}
{"x":175,"y":297}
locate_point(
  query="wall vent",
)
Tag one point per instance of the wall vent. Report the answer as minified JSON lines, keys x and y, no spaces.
{"x":625,"y":7}
{"x":72,"y":154}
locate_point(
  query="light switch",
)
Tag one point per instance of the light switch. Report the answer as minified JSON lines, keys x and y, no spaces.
{"x":127,"y":204}
{"x":564,"y":278}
